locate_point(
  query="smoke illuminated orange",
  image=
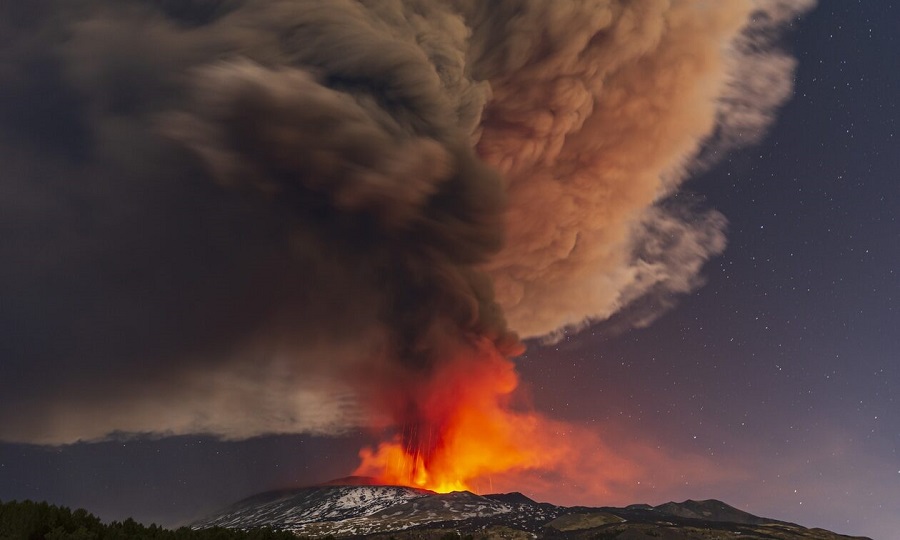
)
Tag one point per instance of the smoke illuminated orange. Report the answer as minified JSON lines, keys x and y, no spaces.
{"x":457,"y":428}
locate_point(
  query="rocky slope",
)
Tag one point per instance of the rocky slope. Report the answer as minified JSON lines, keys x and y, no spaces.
{"x":402,"y":512}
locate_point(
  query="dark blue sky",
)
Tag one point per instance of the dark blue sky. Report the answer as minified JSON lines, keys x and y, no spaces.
{"x":780,"y":373}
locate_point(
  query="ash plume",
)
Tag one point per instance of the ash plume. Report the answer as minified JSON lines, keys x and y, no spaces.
{"x":243,"y":217}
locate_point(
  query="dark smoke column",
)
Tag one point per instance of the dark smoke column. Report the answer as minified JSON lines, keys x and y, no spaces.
{"x":285,"y":204}
{"x":246,"y":217}
{"x":365,"y":139}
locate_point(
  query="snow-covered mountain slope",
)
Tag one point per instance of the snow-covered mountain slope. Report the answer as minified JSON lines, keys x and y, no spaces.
{"x":297,"y":509}
{"x":364,"y":509}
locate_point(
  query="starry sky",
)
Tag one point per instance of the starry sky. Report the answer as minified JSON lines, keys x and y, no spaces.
{"x":786,"y":359}
{"x":775,"y":383}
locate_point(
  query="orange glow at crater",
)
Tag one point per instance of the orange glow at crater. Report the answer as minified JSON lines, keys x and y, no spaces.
{"x":457,"y":426}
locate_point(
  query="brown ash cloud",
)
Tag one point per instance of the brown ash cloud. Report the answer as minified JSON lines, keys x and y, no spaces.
{"x":227,"y":217}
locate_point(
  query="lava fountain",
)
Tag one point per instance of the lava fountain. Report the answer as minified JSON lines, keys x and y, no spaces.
{"x":459,"y":424}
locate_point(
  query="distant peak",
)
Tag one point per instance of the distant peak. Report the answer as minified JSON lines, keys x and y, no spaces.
{"x":710,"y":510}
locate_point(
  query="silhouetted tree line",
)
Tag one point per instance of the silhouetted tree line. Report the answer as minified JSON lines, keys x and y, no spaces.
{"x":28,"y":520}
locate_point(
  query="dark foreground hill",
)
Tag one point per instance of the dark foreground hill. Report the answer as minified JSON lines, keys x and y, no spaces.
{"x":382,"y":512}
{"x":28,"y":520}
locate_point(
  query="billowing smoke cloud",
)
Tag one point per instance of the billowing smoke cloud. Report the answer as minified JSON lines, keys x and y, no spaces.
{"x":236,"y":217}
{"x":598,"y":113}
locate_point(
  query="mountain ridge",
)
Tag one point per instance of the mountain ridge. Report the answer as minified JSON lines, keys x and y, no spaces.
{"x":365,"y":508}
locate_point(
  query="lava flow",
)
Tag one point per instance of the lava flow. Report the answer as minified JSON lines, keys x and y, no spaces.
{"x":458,"y":426}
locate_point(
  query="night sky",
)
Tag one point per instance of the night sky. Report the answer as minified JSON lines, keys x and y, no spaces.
{"x":773,"y":387}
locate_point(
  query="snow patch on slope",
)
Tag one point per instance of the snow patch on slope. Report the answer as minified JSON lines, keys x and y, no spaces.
{"x":353,"y":510}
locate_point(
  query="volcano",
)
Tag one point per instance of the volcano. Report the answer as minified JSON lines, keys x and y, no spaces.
{"x":360,"y":507}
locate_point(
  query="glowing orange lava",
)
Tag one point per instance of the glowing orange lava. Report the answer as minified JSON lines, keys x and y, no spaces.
{"x":457,"y":428}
